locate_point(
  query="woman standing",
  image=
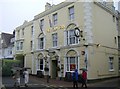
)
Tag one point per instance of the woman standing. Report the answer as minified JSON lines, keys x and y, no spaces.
{"x":84,"y":77}
{"x":26,"y":77}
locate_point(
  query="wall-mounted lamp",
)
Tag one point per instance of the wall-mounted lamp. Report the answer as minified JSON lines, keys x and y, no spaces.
{"x":86,"y":45}
{"x":98,"y":45}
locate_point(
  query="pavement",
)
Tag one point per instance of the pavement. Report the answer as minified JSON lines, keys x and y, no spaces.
{"x":36,"y":82}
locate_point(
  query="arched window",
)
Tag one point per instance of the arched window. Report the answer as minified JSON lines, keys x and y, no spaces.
{"x":70,"y":35}
{"x":71,"y":60}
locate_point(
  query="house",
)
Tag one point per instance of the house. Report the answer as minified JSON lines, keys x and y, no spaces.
{"x":6,"y":46}
{"x":69,"y":36}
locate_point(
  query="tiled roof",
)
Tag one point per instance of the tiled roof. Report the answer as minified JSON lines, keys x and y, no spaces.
{"x":6,"y":37}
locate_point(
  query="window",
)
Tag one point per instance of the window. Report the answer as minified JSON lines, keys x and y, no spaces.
{"x":72,"y":63}
{"x":71,"y":38}
{"x":119,"y":63}
{"x":71,"y":13}
{"x":21,"y":45}
{"x":111,"y":67}
{"x":31,"y":45}
{"x":119,"y":42}
{"x":55,"y":19}
{"x":54,"y":37}
{"x":41,"y":43}
{"x":18,"y":34}
{"x":17,"y":45}
{"x":40,"y":64}
{"x":32,"y":30}
{"x":23,"y":32}
{"x":42,"y":24}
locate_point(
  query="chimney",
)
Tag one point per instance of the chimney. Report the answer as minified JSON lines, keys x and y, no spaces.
{"x":47,"y":6}
{"x":110,"y":4}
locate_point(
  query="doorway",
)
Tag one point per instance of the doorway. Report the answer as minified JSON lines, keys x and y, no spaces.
{"x":54,"y":69}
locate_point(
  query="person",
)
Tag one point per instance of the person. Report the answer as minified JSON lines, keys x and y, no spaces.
{"x":75,"y":78}
{"x":16,"y":76}
{"x":84,"y":78}
{"x":26,"y":77}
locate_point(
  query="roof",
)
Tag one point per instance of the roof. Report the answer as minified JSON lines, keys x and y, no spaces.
{"x":6,"y":37}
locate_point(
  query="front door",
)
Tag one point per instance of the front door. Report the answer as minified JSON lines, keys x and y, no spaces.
{"x":54,"y":69}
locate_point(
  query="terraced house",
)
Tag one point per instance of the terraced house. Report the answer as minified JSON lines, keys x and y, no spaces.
{"x":71,"y":35}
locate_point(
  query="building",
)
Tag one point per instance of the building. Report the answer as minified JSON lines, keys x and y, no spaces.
{"x":119,"y":6}
{"x":71,"y":35}
{"x":6,"y":46}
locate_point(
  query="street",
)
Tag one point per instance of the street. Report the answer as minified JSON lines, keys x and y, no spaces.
{"x":40,"y":83}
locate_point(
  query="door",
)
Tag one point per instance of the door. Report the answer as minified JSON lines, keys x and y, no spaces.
{"x":54,"y":69}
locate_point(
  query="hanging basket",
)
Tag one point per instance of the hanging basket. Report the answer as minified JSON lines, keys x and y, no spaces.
{"x":58,"y":68}
{"x":46,"y":69}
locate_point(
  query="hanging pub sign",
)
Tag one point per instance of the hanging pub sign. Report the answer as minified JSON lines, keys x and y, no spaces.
{"x":83,"y":52}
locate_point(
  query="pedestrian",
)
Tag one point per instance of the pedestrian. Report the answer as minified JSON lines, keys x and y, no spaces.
{"x":75,"y":78}
{"x":84,"y":78}
{"x":16,"y":76}
{"x":26,"y":77}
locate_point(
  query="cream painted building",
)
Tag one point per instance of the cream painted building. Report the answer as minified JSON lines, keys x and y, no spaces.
{"x":49,"y":40}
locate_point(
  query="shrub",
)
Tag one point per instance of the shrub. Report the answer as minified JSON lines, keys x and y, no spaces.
{"x":7,"y":66}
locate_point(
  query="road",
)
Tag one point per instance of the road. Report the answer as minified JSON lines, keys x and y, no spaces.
{"x":36,"y":83}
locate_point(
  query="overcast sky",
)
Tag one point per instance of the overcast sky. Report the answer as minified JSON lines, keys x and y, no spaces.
{"x":14,"y":12}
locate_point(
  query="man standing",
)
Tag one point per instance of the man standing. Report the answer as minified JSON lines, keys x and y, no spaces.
{"x":75,"y":78}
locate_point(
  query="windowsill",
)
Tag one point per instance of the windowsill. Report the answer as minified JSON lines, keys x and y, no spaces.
{"x":19,"y":50}
{"x":39,"y":49}
{"x":71,"y":44}
{"x":39,"y":70}
{"x":112,"y":70}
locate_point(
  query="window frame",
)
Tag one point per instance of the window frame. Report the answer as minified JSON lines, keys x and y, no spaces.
{"x":69,"y":63}
{"x":55,"y":19}
{"x":71,"y":13}
{"x":42,"y":24}
{"x":55,"y":39}
{"x":41,"y":43}
{"x":111,"y":63}
{"x":71,"y":39}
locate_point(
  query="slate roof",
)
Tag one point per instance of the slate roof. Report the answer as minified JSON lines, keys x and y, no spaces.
{"x":6,"y":37}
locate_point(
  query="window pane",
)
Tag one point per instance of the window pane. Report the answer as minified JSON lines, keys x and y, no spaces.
{"x":55,"y":19}
{"x":71,"y":13}
{"x":54,"y":38}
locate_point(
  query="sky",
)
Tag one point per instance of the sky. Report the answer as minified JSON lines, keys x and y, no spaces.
{"x":14,"y":12}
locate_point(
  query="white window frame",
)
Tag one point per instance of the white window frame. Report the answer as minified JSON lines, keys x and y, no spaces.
{"x":42,"y":24}
{"x":39,"y":65}
{"x":55,"y":39}
{"x":41,"y":43}
{"x":71,"y":13}
{"x":71,"y":39}
{"x":111,"y":63}
{"x":68,"y":62}
{"x":23,"y":32}
{"x":19,"y":45}
{"x":55,"y":19}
